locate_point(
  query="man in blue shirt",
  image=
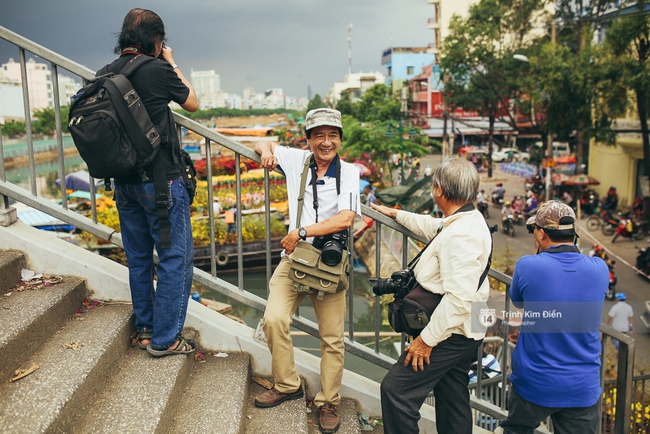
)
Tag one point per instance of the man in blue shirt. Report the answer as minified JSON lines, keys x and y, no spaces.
{"x":556,"y":363}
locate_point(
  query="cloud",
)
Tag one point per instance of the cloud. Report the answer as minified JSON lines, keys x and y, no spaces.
{"x":289,"y":44}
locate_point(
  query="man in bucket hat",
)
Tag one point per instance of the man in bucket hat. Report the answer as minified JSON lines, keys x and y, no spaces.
{"x":556,"y":362}
{"x":329,"y":207}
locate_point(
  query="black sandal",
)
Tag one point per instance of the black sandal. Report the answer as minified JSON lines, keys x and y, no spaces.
{"x":185,"y":346}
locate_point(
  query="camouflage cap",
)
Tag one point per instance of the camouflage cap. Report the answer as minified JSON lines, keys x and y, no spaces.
{"x":549,"y":214}
{"x":323,"y":116}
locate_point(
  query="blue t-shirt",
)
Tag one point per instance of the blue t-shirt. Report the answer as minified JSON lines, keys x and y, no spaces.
{"x":556,"y":362}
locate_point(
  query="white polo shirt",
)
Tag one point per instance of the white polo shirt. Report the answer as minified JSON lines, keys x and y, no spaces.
{"x":292,"y":162}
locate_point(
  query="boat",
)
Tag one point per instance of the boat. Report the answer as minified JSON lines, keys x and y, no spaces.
{"x":253,"y":253}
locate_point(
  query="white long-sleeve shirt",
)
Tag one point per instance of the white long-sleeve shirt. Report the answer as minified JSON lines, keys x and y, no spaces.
{"x":452,"y":265}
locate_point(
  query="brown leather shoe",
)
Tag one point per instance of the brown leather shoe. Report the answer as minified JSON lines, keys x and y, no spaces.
{"x":329,"y":419}
{"x":273,"y":397}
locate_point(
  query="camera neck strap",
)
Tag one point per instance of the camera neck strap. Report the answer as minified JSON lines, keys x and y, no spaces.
{"x":464,"y":208}
{"x":310,"y":163}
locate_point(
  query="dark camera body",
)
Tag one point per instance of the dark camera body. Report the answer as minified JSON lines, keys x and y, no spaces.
{"x":332,"y":247}
{"x":399,"y":283}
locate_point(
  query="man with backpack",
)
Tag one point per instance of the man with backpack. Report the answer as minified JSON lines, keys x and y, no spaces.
{"x":160,"y":312}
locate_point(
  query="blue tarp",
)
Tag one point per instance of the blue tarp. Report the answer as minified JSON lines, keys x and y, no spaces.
{"x":79,"y":180}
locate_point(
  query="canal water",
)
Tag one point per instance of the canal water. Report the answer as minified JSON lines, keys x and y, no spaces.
{"x":255,"y":282}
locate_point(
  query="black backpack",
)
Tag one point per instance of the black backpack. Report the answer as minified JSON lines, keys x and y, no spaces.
{"x":111,"y":127}
{"x":116,"y":138}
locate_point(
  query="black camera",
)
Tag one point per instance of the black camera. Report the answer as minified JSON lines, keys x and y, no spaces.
{"x":332,"y":247}
{"x":400,"y":283}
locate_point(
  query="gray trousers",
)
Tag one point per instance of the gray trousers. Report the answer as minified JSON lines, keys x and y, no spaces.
{"x":403,"y":390}
{"x":524,"y":416}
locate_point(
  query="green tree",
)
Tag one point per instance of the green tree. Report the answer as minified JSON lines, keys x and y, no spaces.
{"x":369,"y":142}
{"x":44,"y":121}
{"x":316,"y":102}
{"x":345,"y":105}
{"x":378,"y":105}
{"x":478,"y":58}
{"x":580,"y":20}
{"x":13,"y":129}
{"x":628,"y":41}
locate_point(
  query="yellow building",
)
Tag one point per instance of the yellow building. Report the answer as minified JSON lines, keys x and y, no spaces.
{"x":621,"y":164}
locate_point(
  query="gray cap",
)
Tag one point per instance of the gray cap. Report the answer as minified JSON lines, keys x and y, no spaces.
{"x":323,"y":116}
{"x":549,"y":214}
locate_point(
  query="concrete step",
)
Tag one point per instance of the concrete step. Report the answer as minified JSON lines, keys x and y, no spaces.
{"x":142,"y":397}
{"x":11,"y":263}
{"x":29,"y":318}
{"x":288,"y":417}
{"x":55,"y":397}
{"x":215,"y":396}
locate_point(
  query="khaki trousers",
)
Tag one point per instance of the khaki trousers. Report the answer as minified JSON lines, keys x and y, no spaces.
{"x":330,"y":315}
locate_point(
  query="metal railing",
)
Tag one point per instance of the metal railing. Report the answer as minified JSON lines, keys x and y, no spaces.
{"x":488,"y":402}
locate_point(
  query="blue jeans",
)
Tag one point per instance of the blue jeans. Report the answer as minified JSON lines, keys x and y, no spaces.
{"x":161,"y":311}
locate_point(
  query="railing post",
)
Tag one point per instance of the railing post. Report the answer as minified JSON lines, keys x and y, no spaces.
{"x":28,"y":122}
{"x":378,"y":276}
{"x":624,"y":386}
{"x":211,"y":216}
{"x":59,"y":134}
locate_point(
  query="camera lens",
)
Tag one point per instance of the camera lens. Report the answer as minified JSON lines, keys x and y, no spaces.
{"x":331,"y":253}
{"x":383,"y":286}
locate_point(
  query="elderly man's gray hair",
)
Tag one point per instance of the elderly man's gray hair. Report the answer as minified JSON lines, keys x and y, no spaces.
{"x":458,"y":179}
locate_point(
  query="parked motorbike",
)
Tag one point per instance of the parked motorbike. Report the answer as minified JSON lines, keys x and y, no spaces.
{"x":611,"y":289}
{"x":628,"y":229}
{"x":483,"y":209}
{"x":610,"y":222}
{"x":509,"y":225}
{"x":643,"y":259}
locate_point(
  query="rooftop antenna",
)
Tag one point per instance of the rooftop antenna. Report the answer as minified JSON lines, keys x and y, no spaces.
{"x":349,"y":48}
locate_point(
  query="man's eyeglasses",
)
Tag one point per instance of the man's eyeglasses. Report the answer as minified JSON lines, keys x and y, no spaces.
{"x":531,"y":228}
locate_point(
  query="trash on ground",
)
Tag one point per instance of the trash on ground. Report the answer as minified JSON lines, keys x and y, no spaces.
{"x":264,"y":383}
{"x":368,"y":423}
{"x":22,"y":373}
{"x":73,"y":345}
{"x":199,"y":357}
{"x":221,"y":355}
{"x":31,"y":280}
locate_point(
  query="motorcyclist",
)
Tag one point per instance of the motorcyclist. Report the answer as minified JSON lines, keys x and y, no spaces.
{"x":505,"y":211}
{"x":498,"y":193}
{"x":611,"y":201}
{"x":531,"y":205}
{"x":481,"y":197}
{"x":518,"y":207}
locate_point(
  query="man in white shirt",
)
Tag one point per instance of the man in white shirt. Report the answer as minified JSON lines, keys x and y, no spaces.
{"x":451,"y":265}
{"x":621,"y":316}
{"x":331,"y":212}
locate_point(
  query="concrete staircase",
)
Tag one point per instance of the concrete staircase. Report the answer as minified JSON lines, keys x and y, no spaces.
{"x":90,"y":380}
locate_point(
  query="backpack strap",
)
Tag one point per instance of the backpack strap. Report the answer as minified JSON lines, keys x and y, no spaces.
{"x":154,"y":138}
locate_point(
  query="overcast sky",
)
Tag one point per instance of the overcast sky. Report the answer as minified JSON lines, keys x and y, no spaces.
{"x":291,"y":44}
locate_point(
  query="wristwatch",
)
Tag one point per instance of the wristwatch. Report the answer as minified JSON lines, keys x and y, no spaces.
{"x":302,"y":233}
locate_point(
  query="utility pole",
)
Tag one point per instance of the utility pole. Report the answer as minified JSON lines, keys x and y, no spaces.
{"x":549,"y":137}
{"x":404,"y":109}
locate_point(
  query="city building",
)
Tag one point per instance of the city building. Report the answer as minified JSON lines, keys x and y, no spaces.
{"x":39,"y":80}
{"x":205,"y":82}
{"x":441,"y":19}
{"x":357,"y":83}
{"x":404,"y":63}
